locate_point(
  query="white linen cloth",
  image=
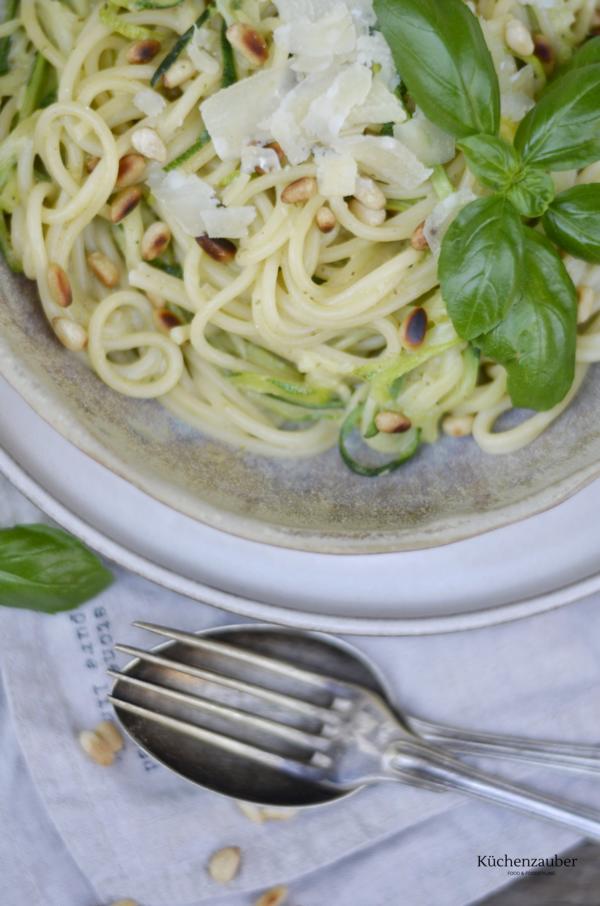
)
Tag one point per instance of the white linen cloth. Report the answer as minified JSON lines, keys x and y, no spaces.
{"x":76,"y":834}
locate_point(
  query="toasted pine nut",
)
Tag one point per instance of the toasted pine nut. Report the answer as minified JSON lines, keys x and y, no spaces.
{"x":155,"y":240}
{"x":261,"y":813}
{"x":59,"y":286}
{"x":167,"y":319}
{"x":368,"y":193}
{"x":458,"y":425}
{"x":367,"y":215}
{"x":124,"y":903}
{"x":104,"y":269}
{"x":392,"y":423}
{"x":325,"y":219}
{"x":249,"y":43}
{"x":415,"y":328}
{"x":91,"y":164}
{"x":273,"y":897}
{"x":142,"y":51}
{"x":518,"y":38}
{"x":71,"y":334}
{"x":131,"y":170}
{"x":276,"y":147}
{"x":224,"y":864}
{"x":544,"y":51}
{"x":300,"y":191}
{"x":150,"y":144}
{"x":178,"y":73}
{"x":95,"y":747}
{"x":221,"y":250}
{"x":124,"y":203}
{"x":419,"y":239}
{"x":108,"y":733}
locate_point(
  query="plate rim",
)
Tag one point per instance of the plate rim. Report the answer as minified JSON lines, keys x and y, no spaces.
{"x":271,"y":613}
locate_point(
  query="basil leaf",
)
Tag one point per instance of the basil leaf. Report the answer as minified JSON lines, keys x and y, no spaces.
{"x":536,"y":342}
{"x":494,"y":162}
{"x":440,"y":52}
{"x":562,"y":132}
{"x":43,"y":568}
{"x":532,"y":192}
{"x":480,"y":265}
{"x":587,"y":55}
{"x":573,"y":222}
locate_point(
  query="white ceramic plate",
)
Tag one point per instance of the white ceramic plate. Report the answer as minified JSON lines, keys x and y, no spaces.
{"x":532,"y":566}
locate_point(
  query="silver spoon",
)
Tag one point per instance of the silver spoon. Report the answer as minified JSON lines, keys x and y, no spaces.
{"x":293,"y":719}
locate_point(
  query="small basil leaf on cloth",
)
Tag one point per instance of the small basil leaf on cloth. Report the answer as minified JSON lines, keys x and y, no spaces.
{"x":494,"y":162}
{"x":562,"y":132}
{"x":45,"y":569}
{"x":480,"y":265}
{"x":573,"y":221}
{"x":537,"y":339}
{"x":532,"y":192}
{"x":441,"y":55}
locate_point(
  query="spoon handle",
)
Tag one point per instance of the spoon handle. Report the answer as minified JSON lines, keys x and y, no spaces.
{"x":572,"y":756}
{"x":407,"y":761}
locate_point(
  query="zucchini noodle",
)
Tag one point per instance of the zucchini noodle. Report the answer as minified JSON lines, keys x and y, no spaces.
{"x":280,"y":339}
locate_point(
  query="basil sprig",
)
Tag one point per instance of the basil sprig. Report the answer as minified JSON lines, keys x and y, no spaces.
{"x":504,"y":284}
{"x":45,"y":569}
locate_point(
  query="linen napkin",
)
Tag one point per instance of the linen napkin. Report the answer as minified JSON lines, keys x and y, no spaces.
{"x":137,"y":830}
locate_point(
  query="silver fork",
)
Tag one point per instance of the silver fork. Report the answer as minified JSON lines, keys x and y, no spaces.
{"x":314,"y":728}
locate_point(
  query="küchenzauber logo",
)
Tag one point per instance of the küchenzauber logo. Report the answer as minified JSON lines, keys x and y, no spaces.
{"x":506,"y":861}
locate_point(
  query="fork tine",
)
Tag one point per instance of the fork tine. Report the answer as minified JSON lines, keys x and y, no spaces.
{"x":323,"y":683}
{"x":325,"y":715}
{"x":270,"y":759}
{"x":292,"y":734}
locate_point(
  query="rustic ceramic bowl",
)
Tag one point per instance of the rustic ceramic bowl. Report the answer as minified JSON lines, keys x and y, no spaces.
{"x":448,"y":492}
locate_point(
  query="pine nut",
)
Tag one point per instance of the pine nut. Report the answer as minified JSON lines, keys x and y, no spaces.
{"x":325,"y":219}
{"x":261,"y":813}
{"x":276,"y":147}
{"x":150,"y":144}
{"x":167,"y":319}
{"x":124,"y":203}
{"x":300,"y":191}
{"x":249,"y":43}
{"x":221,"y":250}
{"x":124,"y":903}
{"x":91,"y":164}
{"x":414,"y":328}
{"x":224,"y":864}
{"x":95,"y":747}
{"x":366,"y":215}
{"x":155,"y":240}
{"x":273,"y":897}
{"x":458,"y":425}
{"x":142,"y":51}
{"x":368,"y":193}
{"x":59,"y":286}
{"x":392,"y":423}
{"x":104,"y":269}
{"x":518,"y":38}
{"x":108,"y":733}
{"x":131,"y":170}
{"x":544,"y":51}
{"x":178,"y":73}
{"x":418,"y":239}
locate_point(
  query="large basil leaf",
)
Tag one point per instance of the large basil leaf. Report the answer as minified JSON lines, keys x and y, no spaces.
{"x":494,"y":162}
{"x":573,"y":221}
{"x":536,"y":341}
{"x":441,"y":55}
{"x":531,"y":192}
{"x":587,"y":55}
{"x":562,"y":132}
{"x":44,"y":568}
{"x":480,"y":265}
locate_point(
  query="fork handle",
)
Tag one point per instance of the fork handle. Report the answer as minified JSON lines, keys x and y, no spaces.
{"x":407,"y":761}
{"x":575,"y":757}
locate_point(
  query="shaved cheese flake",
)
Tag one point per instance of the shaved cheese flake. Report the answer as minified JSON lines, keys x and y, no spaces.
{"x":292,"y":10}
{"x":328,"y":113}
{"x":255,"y":158}
{"x":336,"y":174}
{"x":380,"y":106}
{"x":232,"y":114}
{"x":149,"y":102}
{"x":184,"y":198}
{"x":316,"y":44}
{"x":374,"y":51}
{"x":228,"y":223}
{"x":437,"y":224}
{"x":387,"y":159}
{"x":430,"y":144}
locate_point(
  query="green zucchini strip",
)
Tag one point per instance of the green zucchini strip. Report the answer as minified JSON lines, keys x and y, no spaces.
{"x":230,"y":75}
{"x":179,"y":46}
{"x":11,"y":11}
{"x":289,"y":391}
{"x":193,"y":149}
{"x":348,"y":428}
